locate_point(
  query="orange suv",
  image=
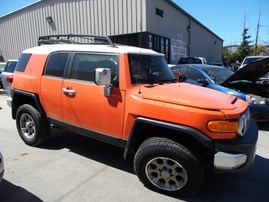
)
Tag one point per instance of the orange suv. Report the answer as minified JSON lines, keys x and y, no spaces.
{"x":128,"y":97}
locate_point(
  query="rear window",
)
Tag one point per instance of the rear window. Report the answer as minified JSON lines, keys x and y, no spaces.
{"x":10,"y":66}
{"x":23,"y":62}
{"x":190,"y":61}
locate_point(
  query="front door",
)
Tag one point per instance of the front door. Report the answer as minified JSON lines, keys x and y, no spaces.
{"x":83,"y":102}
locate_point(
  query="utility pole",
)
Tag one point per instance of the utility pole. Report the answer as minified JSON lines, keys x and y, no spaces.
{"x":257,"y":33}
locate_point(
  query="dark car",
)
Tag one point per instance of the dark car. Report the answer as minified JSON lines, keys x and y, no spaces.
{"x":248,"y":83}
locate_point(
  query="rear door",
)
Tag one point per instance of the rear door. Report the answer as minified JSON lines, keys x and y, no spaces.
{"x":51,"y":84}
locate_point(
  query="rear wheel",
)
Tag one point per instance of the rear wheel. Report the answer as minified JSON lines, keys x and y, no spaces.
{"x":168,"y":167}
{"x":33,"y":128}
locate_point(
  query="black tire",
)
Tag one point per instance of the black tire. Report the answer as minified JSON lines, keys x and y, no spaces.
{"x":33,"y":128}
{"x":168,"y":167}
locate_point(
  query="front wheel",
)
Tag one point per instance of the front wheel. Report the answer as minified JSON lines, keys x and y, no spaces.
{"x":168,"y":167}
{"x":33,"y":128}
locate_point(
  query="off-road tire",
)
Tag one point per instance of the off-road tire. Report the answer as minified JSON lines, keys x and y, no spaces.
{"x":168,"y":167}
{"x":34,"y":129}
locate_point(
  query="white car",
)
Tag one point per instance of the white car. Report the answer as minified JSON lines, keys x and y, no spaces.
{"x":1,"y":167}
{"x":250,"y":59}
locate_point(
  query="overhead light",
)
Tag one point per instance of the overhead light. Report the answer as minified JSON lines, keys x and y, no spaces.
{"x":49,"y":19}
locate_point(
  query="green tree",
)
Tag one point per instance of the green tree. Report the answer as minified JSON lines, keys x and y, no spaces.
{"x":245,"y":48}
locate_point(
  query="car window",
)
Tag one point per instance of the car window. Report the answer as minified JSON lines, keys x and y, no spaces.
{"x":10,"y":66}
{"x":218,"y":75}
{"x":56,"y":64}
{"x":84,"y":66}
{"x":193,"y":74}
{"x":23,"y":62}
{"x":190,"y":61}
{"x":149,"y":69}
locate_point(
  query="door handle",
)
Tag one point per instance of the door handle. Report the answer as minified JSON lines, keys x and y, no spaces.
{"x":68,"y":91}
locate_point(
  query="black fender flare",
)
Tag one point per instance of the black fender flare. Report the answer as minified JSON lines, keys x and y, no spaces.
{"x":200,"y":137}
{"x":16,"y":100}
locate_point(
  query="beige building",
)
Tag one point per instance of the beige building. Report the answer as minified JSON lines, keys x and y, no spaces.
{"x":160,"y":25}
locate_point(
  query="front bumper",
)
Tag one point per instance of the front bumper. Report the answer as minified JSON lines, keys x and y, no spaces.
{"x":238,"y":154}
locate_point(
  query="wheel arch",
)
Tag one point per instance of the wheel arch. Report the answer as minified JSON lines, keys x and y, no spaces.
{"x":21,"y":97}
{"x":145,"y":128}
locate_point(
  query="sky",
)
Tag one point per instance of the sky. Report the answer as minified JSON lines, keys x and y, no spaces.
{"x":225,"y":18}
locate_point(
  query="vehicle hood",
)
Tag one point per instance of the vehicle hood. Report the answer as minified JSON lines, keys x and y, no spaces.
{"x":185,"y":94}
{"x":251,"y":72}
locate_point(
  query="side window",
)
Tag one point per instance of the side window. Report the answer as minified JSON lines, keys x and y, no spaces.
{"x":56,"y":64}
{"x":194,"y":74}
{"x":84,"y":66}
{"x":23,"y":61}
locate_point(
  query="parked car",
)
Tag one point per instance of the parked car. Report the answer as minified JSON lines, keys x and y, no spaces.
{"x":250,"y":59}
{"x":7,"y":75}
{"x":1,"y":167}
{"x":192,"y":60}
{"x":127,"y":96}
{"x":220,"y":63}
{"x":2,"y":66}
{"x":244,"y":83}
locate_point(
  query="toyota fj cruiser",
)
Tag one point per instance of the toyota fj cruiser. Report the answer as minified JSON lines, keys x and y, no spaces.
{"x":128,"y":97}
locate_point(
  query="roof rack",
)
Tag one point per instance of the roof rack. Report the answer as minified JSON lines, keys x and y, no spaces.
{"x":74,"y":39}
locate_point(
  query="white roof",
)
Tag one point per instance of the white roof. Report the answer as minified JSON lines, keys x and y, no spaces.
{"x":47,"y":49}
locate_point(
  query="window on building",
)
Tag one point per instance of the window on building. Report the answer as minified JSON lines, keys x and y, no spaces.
{"x":56,"y":64}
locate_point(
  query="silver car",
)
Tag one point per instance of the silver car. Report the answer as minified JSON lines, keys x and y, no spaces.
{"x":2,"y":67}
{"x":7,"y":75}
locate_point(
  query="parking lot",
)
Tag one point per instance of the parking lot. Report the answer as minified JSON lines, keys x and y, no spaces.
{"x":74,"y":168}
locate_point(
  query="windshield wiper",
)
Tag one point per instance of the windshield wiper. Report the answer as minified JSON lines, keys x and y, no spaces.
{"x":148,"y":80}
{"x":168,"y":81}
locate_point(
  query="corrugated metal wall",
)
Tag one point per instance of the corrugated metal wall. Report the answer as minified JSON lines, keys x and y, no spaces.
{"x":20,"y":30}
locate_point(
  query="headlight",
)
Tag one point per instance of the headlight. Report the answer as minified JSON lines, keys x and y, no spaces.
{"x":254,"y":99}
{"x":244,"y":121}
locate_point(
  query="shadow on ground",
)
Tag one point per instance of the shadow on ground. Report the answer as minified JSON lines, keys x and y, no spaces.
{"x":96,"y":150}
{"x":12,"y":193}
{"x":251,"y":185}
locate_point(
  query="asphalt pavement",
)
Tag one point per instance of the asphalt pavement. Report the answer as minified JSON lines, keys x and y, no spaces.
{"x":75,"y":168}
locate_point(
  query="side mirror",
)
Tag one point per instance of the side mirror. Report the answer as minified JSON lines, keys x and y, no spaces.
{"x":103,"y":77}
{"x":203,"y":82}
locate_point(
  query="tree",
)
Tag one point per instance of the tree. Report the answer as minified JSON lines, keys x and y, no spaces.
{"x":244,"y":49}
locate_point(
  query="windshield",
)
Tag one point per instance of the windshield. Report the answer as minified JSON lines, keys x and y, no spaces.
{"x":218,"y":75}
{"x":149,"y":69}
{"x":249,"y":60}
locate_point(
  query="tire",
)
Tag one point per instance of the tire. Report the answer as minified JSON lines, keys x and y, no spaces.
{"x":168,"y":167}
{"x":34,"y":129}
